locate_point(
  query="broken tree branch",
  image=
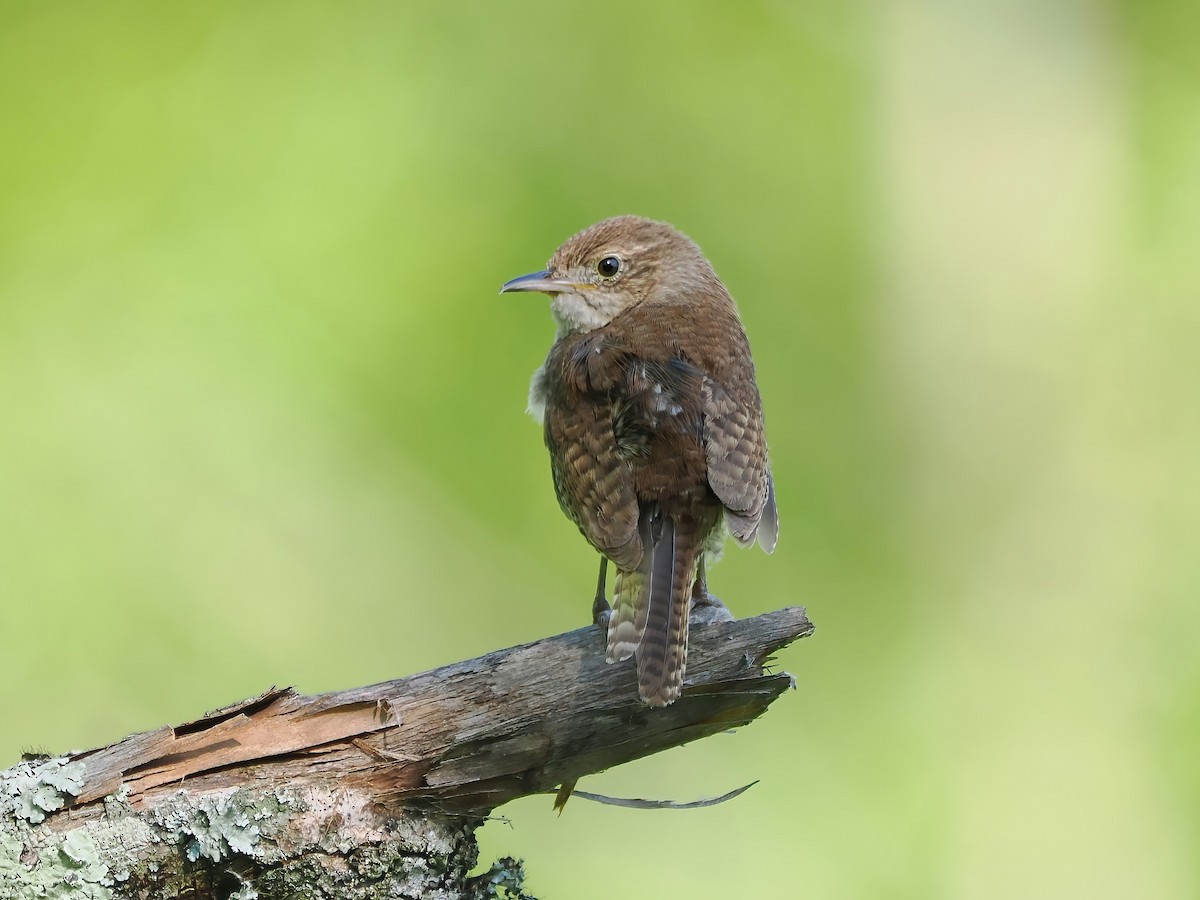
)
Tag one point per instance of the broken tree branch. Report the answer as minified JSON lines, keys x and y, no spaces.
{"x":369,"y":792}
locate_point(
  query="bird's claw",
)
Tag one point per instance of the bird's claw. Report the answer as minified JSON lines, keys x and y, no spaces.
{"x":601,"y":612}
{"x":707,"y":610}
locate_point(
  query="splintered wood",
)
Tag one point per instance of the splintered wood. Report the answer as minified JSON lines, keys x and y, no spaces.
{"x":464,"y":738}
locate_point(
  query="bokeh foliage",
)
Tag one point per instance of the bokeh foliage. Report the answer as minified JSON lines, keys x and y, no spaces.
{"x":263,"y":408}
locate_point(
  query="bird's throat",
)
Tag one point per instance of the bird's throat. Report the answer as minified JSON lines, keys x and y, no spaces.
{"x":579,"y":313}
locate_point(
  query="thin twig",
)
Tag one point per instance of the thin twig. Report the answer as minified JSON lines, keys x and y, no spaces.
{"x":635,"y":803}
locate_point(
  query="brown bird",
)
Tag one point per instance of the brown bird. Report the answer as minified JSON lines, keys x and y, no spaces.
{"x":655,"y":429}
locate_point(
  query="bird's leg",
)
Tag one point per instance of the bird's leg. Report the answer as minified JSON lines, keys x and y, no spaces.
{"x":600,"y":608}
{"x":706,"y":608}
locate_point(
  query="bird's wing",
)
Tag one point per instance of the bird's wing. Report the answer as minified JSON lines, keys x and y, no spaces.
{"x":592,"y":478}
{"x":735,"y":447}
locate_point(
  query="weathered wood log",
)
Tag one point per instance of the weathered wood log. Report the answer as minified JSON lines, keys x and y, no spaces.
{"x":371,"y":792}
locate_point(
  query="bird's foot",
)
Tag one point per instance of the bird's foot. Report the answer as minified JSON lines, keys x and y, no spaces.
{"x":601,"y":612}
{"x":707,"y":610}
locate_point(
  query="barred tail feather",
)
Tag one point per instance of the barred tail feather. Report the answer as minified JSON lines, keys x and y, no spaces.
{"x":662,"y":654}
{"x":628,"y":620}
{"x":650,"y":608}
{"x":631,"y":597}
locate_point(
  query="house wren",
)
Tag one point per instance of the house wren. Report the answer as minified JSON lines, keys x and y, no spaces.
{"x":655,"y":429}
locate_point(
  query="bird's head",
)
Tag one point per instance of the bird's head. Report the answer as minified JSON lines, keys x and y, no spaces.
{"x":615,"y":265}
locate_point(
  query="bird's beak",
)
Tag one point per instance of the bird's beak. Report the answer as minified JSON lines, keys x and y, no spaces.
{"x":536,"y":281}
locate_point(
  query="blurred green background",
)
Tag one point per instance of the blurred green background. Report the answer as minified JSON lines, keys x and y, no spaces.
{"x":263,"y":408}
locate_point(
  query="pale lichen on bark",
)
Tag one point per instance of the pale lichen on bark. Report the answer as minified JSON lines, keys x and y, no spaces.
{"x":245,"y":843}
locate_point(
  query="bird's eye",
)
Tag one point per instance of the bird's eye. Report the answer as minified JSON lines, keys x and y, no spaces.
{"x":609,"y":266}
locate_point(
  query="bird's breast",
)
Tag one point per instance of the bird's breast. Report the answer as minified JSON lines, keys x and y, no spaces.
{"x":537,"y":395}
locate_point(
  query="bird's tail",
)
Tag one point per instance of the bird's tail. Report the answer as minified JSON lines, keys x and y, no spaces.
{"x":650,"y":608}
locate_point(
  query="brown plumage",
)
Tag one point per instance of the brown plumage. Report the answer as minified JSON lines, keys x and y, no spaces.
{"x":654,"y":424}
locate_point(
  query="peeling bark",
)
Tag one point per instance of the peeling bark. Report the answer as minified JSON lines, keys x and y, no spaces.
{"x":367,"y":793}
